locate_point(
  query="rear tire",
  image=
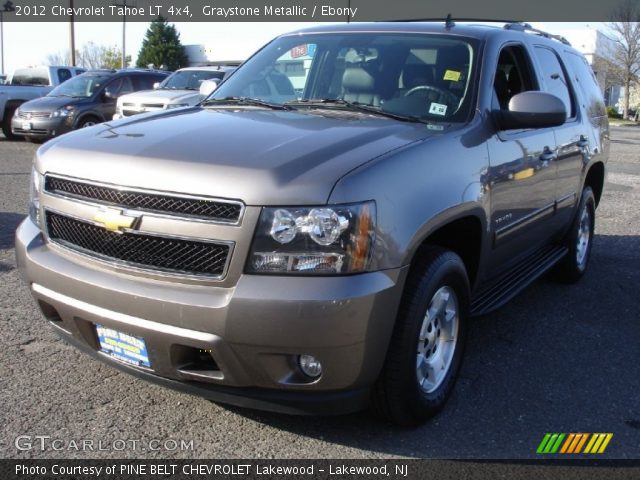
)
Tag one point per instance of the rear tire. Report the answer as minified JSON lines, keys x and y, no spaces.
{"x":428,"y":340}
{"x":579,"y":240}
{"x":6,"y":124}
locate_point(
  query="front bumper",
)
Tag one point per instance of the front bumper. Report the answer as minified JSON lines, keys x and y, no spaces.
{"x":254,"y":330}
{"x":41,"y":127}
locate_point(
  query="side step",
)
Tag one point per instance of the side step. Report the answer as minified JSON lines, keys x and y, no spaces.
{"x":513,"y":281}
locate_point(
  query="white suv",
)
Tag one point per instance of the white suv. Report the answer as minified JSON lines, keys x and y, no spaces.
{"x":180,"y":89}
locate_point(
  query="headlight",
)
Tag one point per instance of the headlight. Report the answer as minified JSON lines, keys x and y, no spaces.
{"x":67,"y":111}
{"x":35,"y":187}
{"x":176,"y":105}
{"x":314,"y":240}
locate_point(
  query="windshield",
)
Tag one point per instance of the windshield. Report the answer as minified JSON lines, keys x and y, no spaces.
{"x":189,"y":79}
{"x":83,"y":86}
{"x":419,"y":76}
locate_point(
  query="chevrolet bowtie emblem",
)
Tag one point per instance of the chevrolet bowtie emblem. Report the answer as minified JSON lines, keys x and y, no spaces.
{"x":114,"y":220}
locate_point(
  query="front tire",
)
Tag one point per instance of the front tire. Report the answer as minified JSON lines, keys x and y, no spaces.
{"x":427,"y":344}
{"x":6,"y":124}
{"x":87,"y":122}
{"x":579,"y":240}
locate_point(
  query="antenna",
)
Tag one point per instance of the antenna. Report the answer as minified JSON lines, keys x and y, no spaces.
{"x":449,"y":23}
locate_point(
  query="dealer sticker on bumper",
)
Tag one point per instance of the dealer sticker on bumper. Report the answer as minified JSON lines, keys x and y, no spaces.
{"x":123,"y":347}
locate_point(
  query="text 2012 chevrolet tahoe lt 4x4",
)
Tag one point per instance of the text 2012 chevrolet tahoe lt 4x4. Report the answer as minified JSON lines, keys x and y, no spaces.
{"x":315,"y":235}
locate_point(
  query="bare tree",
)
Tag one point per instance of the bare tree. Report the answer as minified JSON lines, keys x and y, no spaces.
{"x":59,"y":58}
{"x":91,"y":55}
{"x":626,"y":53}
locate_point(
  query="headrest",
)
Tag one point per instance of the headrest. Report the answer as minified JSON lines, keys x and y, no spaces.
{"x":357,"y":79}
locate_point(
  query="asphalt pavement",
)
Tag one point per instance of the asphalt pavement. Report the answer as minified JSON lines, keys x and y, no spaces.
{"x":558,"y":358}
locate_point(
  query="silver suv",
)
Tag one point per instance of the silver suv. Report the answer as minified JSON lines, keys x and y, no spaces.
{"x":315,"y":236}
{"x":181,"y":89}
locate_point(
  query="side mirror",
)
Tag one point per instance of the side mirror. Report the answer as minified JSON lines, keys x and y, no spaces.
{"x":532,"y":110}
{"x":156,"y":85}
{"x":208,"y":86}
{"x":109,"y":96}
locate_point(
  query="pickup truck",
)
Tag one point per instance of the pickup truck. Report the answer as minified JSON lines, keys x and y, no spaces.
{"x":29,"y":83}
{"x":323,"y":249}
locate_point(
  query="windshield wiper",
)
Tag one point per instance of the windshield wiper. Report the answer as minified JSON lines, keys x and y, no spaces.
{"x":362,"y":107}
{"x":245,"y":101}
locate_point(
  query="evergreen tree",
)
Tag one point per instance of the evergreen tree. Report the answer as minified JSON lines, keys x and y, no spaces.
{"x":162,"y":47}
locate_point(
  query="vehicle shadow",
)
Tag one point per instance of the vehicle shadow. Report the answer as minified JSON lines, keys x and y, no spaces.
{"x":553,"y":359}
{"x":9,"y":221}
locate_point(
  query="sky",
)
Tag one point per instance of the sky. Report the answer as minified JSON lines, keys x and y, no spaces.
{"x":28,"y":44}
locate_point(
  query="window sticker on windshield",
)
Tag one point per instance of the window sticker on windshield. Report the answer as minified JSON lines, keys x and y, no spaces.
{"x":437,"y":109}
{"x":452,"y":75}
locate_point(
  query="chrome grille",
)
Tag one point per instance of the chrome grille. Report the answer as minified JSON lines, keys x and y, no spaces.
{"x":29,"y":115}
{"x":204,"y":208}
{"x":137,"y":249}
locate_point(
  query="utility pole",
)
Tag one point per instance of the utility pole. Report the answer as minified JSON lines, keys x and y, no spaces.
{"x":72,"y":35}
{"x":123,"y":5}
{"x":6,"y":8}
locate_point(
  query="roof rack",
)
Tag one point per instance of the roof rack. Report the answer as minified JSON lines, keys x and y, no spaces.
{"x":525,"y":27}
{"x":516,"y":25}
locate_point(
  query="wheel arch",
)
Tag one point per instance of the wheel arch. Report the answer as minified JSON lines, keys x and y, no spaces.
{"x":462,"y":233}
{"x":595,"y":179}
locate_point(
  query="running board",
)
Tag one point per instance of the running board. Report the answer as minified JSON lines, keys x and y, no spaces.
{"x":513,"y":281}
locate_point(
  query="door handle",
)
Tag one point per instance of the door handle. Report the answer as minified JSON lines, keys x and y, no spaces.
{"x":548,"y":155}
{"x":583,"y":142}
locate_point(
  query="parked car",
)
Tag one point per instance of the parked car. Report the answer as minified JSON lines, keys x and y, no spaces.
{"x":83,"y":101}
{"x":180,"y":89}
{"x":26,"y":84}
{"x":325,"y":253}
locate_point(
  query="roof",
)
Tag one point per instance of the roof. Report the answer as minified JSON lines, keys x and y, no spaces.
{"x":217,"y":68}
{"x":449,"y":27}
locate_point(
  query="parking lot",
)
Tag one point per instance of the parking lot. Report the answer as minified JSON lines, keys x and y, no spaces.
{"x":558,"y":358}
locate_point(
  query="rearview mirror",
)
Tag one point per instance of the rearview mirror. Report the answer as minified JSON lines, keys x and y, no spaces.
{"x":531,"y":109}
{"x":208,"y":86}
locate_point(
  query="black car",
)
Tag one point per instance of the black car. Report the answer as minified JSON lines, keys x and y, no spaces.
{"x":80,"y":102}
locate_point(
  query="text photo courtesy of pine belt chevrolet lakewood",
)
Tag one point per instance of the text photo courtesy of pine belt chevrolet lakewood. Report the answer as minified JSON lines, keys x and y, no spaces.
{"x":315,"y":236}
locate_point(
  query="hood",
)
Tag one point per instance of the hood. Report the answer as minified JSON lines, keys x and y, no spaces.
{"x":48,"y":104}
{"x":261,"y":157}
{"x":161,"y":96}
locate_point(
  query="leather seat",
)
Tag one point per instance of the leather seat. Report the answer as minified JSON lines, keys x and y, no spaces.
{"x":359,"y":86}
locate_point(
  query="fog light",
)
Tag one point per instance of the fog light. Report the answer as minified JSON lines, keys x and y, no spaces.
{"x":310,"y":366}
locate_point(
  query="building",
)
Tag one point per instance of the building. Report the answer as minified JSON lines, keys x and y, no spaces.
{"x":598,"y":50}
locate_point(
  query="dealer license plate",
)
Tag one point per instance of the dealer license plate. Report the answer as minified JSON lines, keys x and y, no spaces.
{"x":123,"y":347}
{"x":26,"y":126}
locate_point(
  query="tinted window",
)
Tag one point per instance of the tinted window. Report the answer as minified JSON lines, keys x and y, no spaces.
{"x":189,"y":79}
{"x":63,"y":75}
{"x":513,"y":75}
{"x":582,"y":75}
{"x":30,"y":76}
{"x":82,"y":86}
{"x":144,"y":82}
{"x":121,"y":86}
{"x":554,"y":78}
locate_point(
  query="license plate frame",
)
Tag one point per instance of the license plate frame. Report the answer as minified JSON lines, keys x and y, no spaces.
{"x":123,"y":347}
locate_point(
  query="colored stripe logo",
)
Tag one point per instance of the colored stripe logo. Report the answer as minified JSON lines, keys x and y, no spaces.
{"x":591,"y":443}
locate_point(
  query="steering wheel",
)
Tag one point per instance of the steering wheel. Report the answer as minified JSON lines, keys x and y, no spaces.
{"x":450,"y":99}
